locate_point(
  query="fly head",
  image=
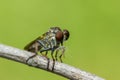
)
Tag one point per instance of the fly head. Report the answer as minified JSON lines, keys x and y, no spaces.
{"x":66,"y":34}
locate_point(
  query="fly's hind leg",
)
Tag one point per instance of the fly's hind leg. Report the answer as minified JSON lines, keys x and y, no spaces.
{"x":42,"y":45}
{"x":34,"y":50}
{"x":31,"y":57}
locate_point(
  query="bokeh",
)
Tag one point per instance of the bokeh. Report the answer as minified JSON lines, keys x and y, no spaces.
{"x":93,"y":46}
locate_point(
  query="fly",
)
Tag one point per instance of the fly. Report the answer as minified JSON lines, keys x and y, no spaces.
{"x":50,"y":41}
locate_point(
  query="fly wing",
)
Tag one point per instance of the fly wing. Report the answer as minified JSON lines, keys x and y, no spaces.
{"x":29,"y":45}
{"x":33,"y":46}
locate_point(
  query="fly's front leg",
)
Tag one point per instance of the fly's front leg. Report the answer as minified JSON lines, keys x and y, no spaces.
{"x":62,"y":48}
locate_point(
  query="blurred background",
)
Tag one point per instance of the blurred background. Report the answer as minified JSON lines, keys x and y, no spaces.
{"x":93,"y":46}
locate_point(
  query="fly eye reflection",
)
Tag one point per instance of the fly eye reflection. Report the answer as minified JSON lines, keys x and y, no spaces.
{"x":66,"y":34}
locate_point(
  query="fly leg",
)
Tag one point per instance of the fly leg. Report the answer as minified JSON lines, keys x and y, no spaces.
{"x":45,"y":49}
{"x":53,"y":59}
{"x":31,"y":57}
{"x":47,"y":60}
{"x":51,"y":47}
{"x":42,"y":45}
{"x":57,"y":50}
{"x":35,"y":49}
{"x":63,"y":50}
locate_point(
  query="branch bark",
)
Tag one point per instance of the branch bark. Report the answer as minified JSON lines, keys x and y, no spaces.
{"x":40,"y":62}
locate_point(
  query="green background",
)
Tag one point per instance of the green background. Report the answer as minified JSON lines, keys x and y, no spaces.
{"x":93,"y":46}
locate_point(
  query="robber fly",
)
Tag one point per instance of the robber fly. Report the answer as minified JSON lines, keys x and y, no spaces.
{"x":50,"y":41}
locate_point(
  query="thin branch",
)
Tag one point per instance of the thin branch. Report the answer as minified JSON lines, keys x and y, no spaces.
{"x":40,"y":62}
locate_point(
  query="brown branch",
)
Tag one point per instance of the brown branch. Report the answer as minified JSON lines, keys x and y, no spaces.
{"x":40,"y":62}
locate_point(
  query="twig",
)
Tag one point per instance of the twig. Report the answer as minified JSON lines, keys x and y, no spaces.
{"x":40,"y":62}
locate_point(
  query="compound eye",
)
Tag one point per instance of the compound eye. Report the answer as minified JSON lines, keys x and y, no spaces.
{"x":66,"y":34}
{"x":59,"y":36}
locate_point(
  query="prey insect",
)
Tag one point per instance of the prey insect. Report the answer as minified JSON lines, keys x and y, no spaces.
{"x":50,"y":41}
